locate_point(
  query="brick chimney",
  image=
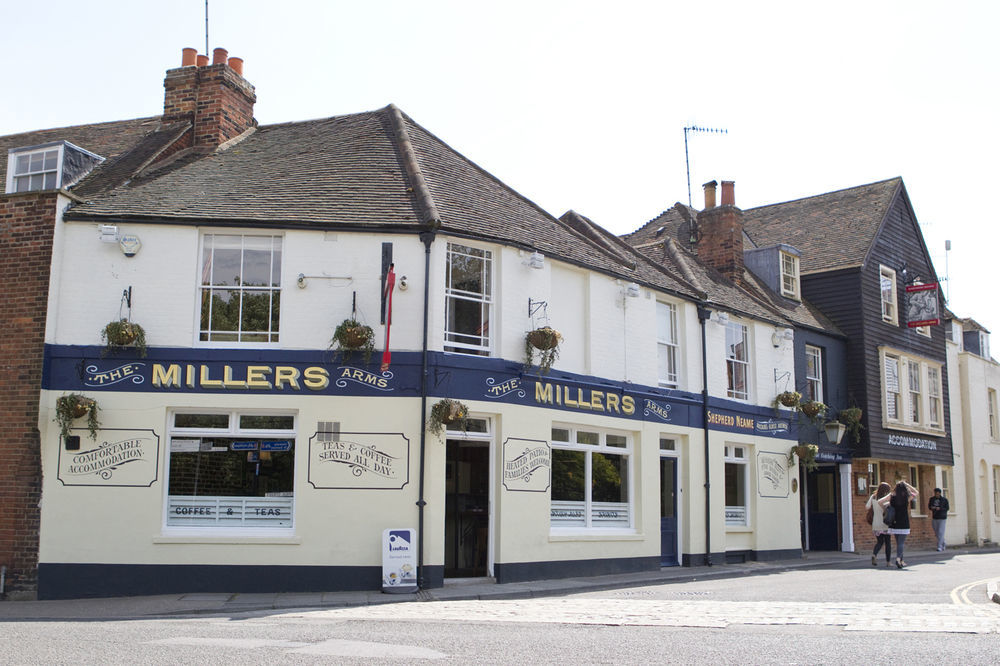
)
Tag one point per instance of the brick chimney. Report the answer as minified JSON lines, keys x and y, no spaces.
{"x":215,"y":98}
{"x":720,"y":242}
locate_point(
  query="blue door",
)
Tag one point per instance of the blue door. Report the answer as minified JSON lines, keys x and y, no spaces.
{"x":668,"y":512}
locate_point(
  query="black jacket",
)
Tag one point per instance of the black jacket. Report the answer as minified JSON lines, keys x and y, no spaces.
{"x":938,"y":507}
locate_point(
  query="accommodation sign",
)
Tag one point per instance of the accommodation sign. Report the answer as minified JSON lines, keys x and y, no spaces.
{"x":527,"y":465}
{"x":359,"y":460}
{"x":119,"y":458}
{"x":772,"y":474}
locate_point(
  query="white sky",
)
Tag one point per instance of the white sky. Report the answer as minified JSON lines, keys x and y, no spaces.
{"x":582,"y":105}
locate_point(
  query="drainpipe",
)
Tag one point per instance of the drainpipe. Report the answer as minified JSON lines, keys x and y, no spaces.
{"x":703,"y":314}
{"x":426,"y":237}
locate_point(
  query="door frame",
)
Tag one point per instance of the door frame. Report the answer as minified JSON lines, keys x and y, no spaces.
{"x":487,"y":436}
{"x":675,"y":454}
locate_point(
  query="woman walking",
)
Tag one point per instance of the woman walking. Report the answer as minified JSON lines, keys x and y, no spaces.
{"x":899,"y":522}
{"x":879,"y":528}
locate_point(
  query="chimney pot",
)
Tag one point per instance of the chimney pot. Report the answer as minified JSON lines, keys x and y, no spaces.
{"x":237,"y":65}
{"x":202,"y":60}
{"x":219,"y":56}
{"x":728,"y":193}
{"x":709,"y":194}
{"x":188,"y":56}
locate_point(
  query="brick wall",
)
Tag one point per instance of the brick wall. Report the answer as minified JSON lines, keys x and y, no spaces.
{"x":215,"y":98}
{"x":921,"y":532}
{"x":720,"y":244}
{"x":26,"y":228}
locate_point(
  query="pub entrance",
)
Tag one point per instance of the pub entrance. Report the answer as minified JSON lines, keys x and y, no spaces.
{"x":467,"y":508}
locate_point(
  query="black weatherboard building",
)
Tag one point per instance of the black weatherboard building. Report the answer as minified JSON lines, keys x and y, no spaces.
{"x":861,"y":248}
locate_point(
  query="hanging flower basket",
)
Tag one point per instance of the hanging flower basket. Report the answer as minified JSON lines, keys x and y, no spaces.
{"x":123,"y":334}
{"x":851,"y":417}
{"x":447,"y":412}
{"x":807,"y":455}
{"x":814,"y":409}
{"x":353,"y":336}
{"x":788,"y":399}
{"x":74,"y":406}
{"x":545,"y":342}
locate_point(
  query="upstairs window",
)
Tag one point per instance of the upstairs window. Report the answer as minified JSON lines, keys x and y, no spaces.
{"x":666,"y":343}
{"x":887,"y":285}
{"x":737,"y":361}
{"x":984,"y":344}
{"x":789,"y":275}
{"x":991,"y":407}
{"x":912,"y":392}
{"x":240,"y":288}
{"x":34,"y":170}
{"x":814,"y":373}
{"x":468,"y":300}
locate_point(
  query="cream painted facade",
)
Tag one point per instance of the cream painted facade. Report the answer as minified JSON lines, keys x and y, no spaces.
{"x":977,"y":460}
{"x":106,"y":527}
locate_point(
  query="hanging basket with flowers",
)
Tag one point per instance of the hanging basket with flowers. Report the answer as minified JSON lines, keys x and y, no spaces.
{"x":814,"y":409}
{"x":545,"y":342}
{"x":787,"y":399}
{"x":851,"y":417}
{"x":353,"y":336}
{"x":75,"y":406}
{"x":123,"y":334}
{"x":446,"y":412}
{"x":807,"y":455}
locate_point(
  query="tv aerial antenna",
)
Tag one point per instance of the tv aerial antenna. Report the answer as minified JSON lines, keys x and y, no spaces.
{"x":687,"y":163}
{"x":206,"y":27}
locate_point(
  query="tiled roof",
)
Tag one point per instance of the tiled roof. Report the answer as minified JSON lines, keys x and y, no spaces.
{"x":109,"y":140}
{"x":832,"y":231}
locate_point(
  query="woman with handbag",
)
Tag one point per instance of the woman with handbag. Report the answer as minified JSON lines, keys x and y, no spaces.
{"x":897,"y":507}
{"x":879,"y":528}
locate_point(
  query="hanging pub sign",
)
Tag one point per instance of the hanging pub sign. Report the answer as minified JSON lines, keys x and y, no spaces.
{"x":922,"y":305}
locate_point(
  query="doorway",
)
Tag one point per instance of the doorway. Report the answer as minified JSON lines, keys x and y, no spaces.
{"x":467,"y":508}
{"x":821,"y":502}
{"x":668,"y":511}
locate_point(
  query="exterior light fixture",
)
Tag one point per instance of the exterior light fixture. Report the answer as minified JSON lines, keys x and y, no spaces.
{"x":834,"y":431}
{"x":632,"y":290}
{"x":722,"y":318}
{"x":108,"y":233}
{"x":536,"y":260}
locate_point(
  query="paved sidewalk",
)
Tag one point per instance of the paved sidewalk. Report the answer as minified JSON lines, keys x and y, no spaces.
{"x":226,"y":603}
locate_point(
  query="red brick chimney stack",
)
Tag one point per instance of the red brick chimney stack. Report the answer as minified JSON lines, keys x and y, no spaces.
{"x":720,"y":244}
{"x":215,"y":98}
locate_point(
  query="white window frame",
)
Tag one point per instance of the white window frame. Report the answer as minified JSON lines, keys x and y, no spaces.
{"x":735,"y":364}
{"x":984,"y":344}
{"x":814,"y":381}
{"x":15,"y":153}
{"x":592,"y":510}
{"x":206,"y":283}
{"x":996,"y":490}
{"x":946,"y":487}
{"x":739,"y":457}
{"x":231,"y":431}
{"x":874,"y":475}
{"x":789,"y":275}
{"x":913,"y":401}
{"x":935,"y":407}
{"x":915,"y":506}
{"x":991,"y":407}
{"x":667,"y":345}
{"x":887,"y":291}
{"x":481,"y":342}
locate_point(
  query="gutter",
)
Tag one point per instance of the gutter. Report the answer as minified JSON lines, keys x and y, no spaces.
{"x":703,"y":314}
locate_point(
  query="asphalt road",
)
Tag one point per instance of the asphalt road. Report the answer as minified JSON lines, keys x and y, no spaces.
{"x":936,"y":612}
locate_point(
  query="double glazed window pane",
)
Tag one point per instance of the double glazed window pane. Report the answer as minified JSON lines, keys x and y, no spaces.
{"x":468,"y":300}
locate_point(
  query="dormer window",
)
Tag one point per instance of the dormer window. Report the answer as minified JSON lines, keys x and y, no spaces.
{"x":789,"y":275}
{"x":48,"y":166}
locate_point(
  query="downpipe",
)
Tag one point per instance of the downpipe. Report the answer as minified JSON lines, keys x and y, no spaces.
{"x":427,"y":238}
{"x":703,"y":314}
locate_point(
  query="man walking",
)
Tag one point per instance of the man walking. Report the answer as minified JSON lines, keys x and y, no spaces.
{"x":938,"y":506}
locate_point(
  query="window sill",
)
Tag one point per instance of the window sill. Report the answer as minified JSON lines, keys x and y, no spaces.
{"x":595,"y":535}
{"x":903,"y":427}
{"x":228,"y":539}
{"x":739,"y":528}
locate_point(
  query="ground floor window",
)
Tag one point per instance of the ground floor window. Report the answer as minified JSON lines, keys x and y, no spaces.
{"x":231,"y":469}
{"x":591,"y":485}
{"x":996,"y":490}
{"x":736,"y":485}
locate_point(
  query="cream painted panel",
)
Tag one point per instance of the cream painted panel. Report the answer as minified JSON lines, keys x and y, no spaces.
{"x":568,"y":314}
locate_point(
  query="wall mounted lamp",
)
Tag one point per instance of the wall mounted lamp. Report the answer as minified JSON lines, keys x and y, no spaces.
{"x":834,"y":431}
{"x":632,"y":290}
{"x":108,"y":233}
{"x":722,"y":318}
{"x":535,"y":260}
{"x":780,"y":335}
